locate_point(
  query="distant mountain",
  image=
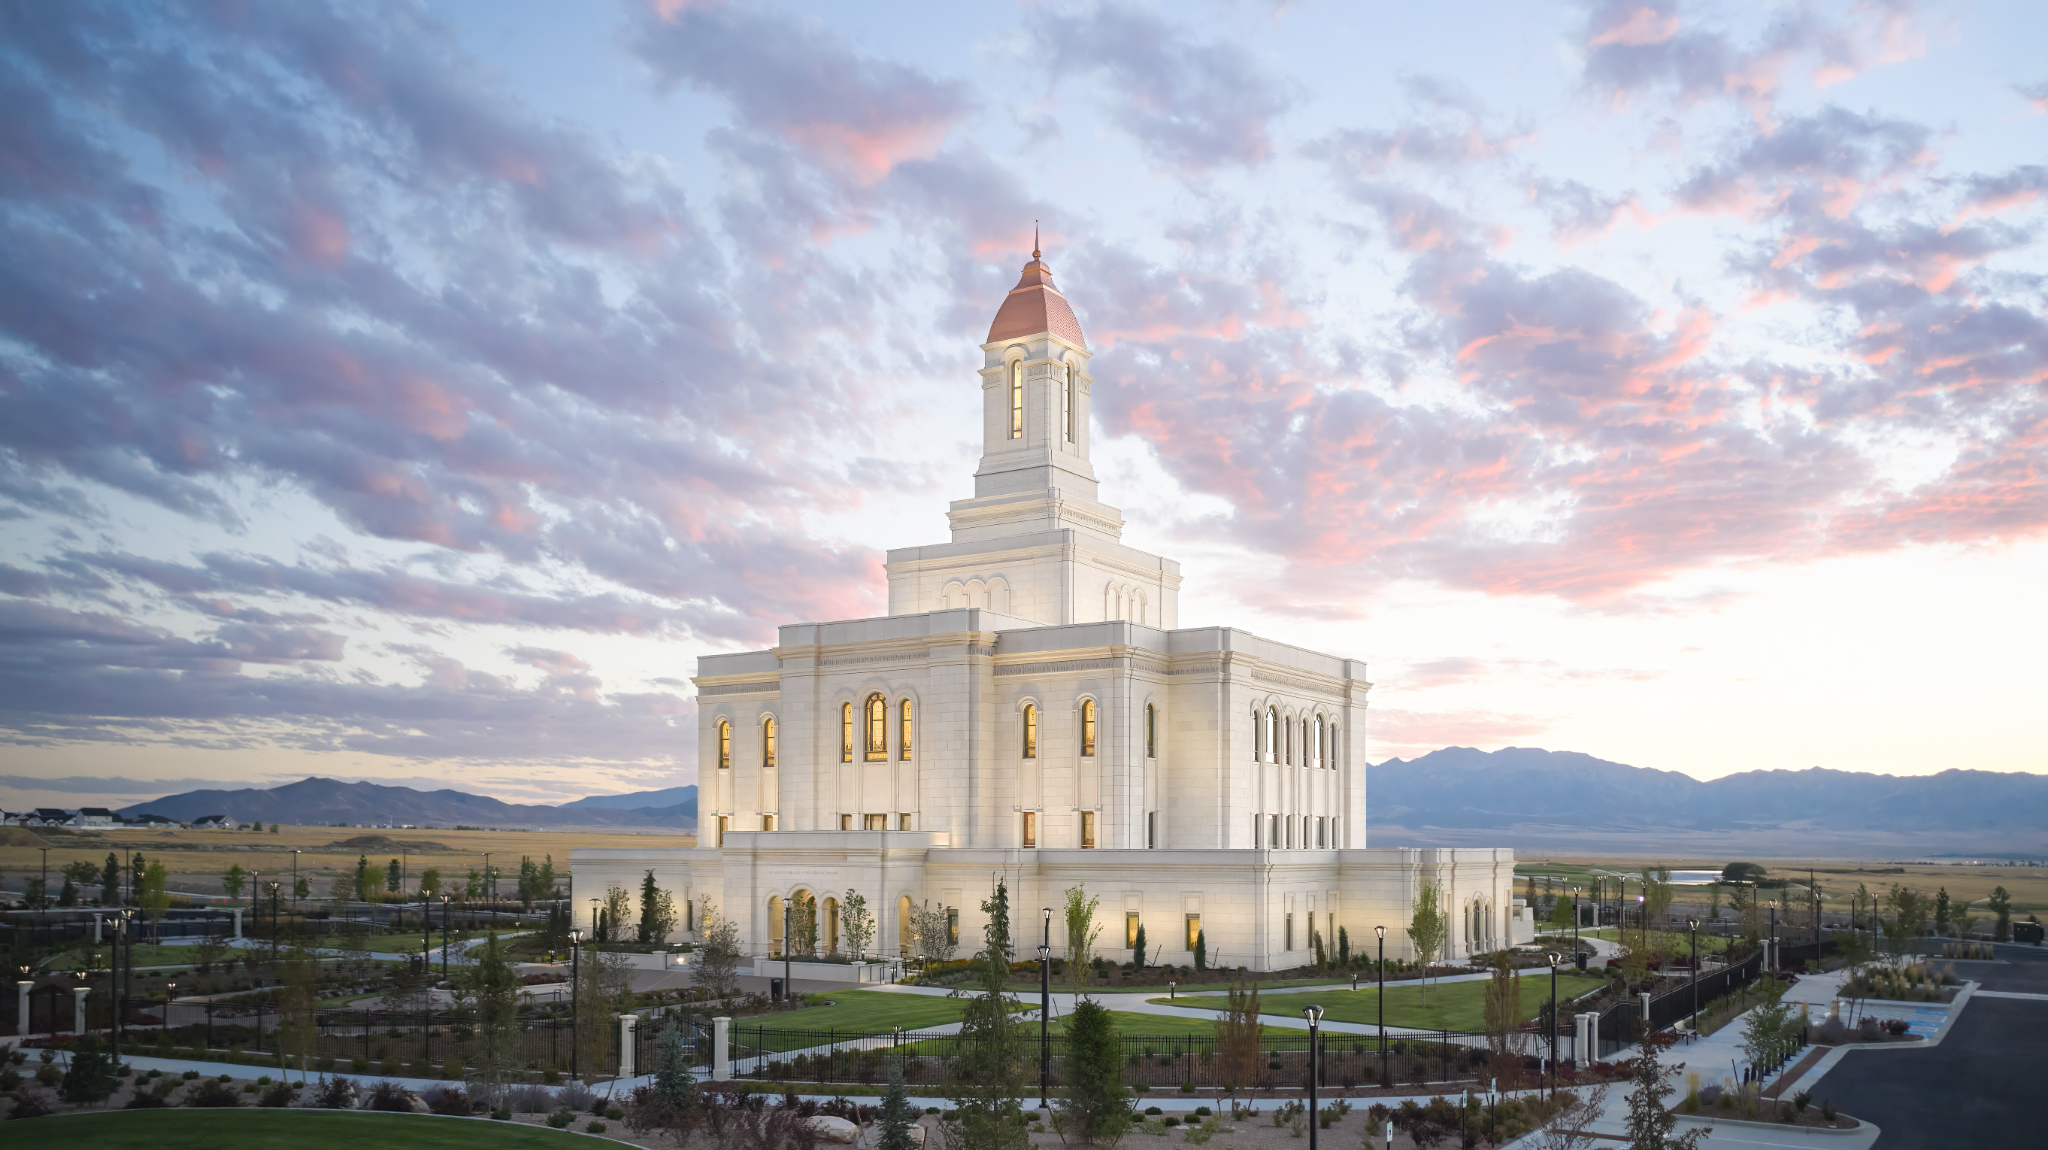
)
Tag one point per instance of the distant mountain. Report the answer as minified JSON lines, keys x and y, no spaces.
{"x":682,"y":797}
{"x":1461,"y":789}
{"x":318,"y":801}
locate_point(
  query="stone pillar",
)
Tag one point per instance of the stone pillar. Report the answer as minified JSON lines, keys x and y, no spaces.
{"x":96,"y":930}
{"x":79,"y":994}
{"x":1587,"y":1045}
{"x":628,"y":1023}
{"x":721,"y":1047}
{"x":1645,"y":996}
{"x":238,"y":922}
{"x":21,"y":1019}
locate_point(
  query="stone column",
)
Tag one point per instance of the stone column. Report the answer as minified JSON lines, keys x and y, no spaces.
{"x":721,"y":1047}
{"x":628,"y":1023}
{"x":79,"y":994}
{"x":96,"y":930}
{"x":238,"y":922}
{"x":21,"y":1019}
{"x":1587,"y":1047}
{"x":1645,"y":996}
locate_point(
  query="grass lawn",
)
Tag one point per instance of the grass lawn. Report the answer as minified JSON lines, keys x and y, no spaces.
{"x":300,"y":1129}
{"x":1029,"y":988}
{"x":1450,"y":1006}
{"x":1147,"y":1025}
{"x":850,"y":1012}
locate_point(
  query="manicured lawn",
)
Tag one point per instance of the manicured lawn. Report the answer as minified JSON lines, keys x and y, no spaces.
{"x":850,"y":1012}
{"x":1447,"y":1006}
{"x":300,"y":1129}
{"x":1147,"y":1025}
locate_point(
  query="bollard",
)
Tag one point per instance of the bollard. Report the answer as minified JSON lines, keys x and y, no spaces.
{"x":721,"y":1049}
{"x":80,"y":992}
{"x":238,"y":922}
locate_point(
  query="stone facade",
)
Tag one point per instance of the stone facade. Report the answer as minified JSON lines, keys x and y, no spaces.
{"x":1030,"y":708}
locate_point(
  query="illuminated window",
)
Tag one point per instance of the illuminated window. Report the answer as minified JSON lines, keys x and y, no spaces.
{"x":724,"y":745}
{"x":846,"y":732}
{"x":903,"y":821}
{"x":1151,"y":732}
{"x":1030,"y":828}
{"x":768,"y":742}
{"x":1016,"y":399}
{"x":877,"y":729}
{"x":1130,"y":930}
{"x":1088,"y":830}
{"x":767,"y":822}
{"x":877,"y":822}
{"x":953,"y":925}
{"x":904,"y":732}
{"x":723,"y":822}
{"x":1194,"y":930}
{"x":845,"y":822}
{"x":1087,"y":727}
{"x":1030,"y":731}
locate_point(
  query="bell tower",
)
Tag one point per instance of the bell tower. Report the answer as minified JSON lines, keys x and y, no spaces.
{"x":1035,"y":391}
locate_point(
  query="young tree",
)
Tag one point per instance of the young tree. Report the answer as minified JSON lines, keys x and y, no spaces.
{"x":675,"y":1088}
{"x":857,"y":922}
{"x":302,"y":887}
{"x":153,"y":898}
{"x":1504,"y":1015}
{"x":1240,"y":1057}
{"x":1657,"y":895}
{"x":2000,"y":904}
{"x":1769,"y":1033}
{"x":362,"y":892}
{"x":987,"y":1076}
{"x":716,"y":965}
{"x":933,"y":933}
{"x":68,"y":895}
{"x":1428,"y":927}
{"x":1941,"y":911}
{"x":529,"y":883}
{"x":1714,"y":902}
{"x":894,"y":1123}
{"x":430,"y":881}
{"x":1343,"y":949}
{"x":1202,"y":950}
{"x":394,"y":877}
{"x":1561,"y":913}
{"x":657,"y":911}
{"x":803,"y":925}
{"x":997,"y":907}
{"x":89,"y":1080}
{"x":234,"y":880}
{"x":492,"y":1053}
{"x":1082,"y":932}
{"x":1650,"y":1123}
{"x":137,"y":867}
{"x":1094,"y":1108}
{"x":1138,"y":945}
{"x":373,"y":883}
{"x":617,"y":911}
{"x":110,"y":881}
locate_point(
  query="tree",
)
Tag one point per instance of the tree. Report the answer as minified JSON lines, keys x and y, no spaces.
{"x":675,"y":1088}
{"x":858,"y":923}
{"x":90,"y":1078}
{"x":1428,"y":927}
{"x":1343,"y":949}
{"x":430,"y":881}
{"x":302,"y":887}
{"x":1657,"y":894}
{"x":1093,"y":1109}
{"x":110,"y":881}
{"x":1571,"y":1128}
{"x":362,"y":878}
{"x":1748,"y":872}
{"x":657,"y":912}
{"x":717,"y":965}
{"x":1138,"y":945}
{"x":1081,"y":932}
{"x":1769,"y":1034}
{"x":234,"y":880}
{"x":616,"y":910}
{"x":987,"y":1076}
{"x":1202,"y":949}
{"x":1561,"y":913}
{"x":137,"y":867}
{"x":256,"y":827}
{"x":152,"y":897}
{"x":1650,"y":1123}
{"x":373,"y":883}
{"x":803,"y":925}
{"x":1241,"y":1061}
{"x":2000,"y":904}
{"x":394,"y":877}
{"x":68,"y":896}
{"x":1504,"y":1015}
{"x":529,"y":882}
{"x":1714,"y":902}
{"x":1941,"y":911}
{"x":932,"y":930}
{"x":896,"y":1118}
{"x":489,"y":1003}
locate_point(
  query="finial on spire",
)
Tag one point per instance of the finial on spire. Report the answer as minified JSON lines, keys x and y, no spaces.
{"x":1034,"y":239}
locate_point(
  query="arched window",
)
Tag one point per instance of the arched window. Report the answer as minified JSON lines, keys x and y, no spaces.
{"x":904,"y":739}
{"x":1287,"y":744}
{"x":846,"y":732}
{"x":1016,"y":399}
{"x":877,"y":729}
{"x":1305,"y":745}
{"x":1258,"y":736}
{"x":1070,"y":403}
{"x":1151,"y":732}
{"x":1087,"y":728}
{"x":1319,"y":740}
{"x":768,"y":741}
{"x":1030,"y":731}
{"x":1272,"y":734}
{"x":724,"y":745}
{"x":1336,"y":760}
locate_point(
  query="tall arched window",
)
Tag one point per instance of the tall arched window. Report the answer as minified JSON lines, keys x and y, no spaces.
{"x":1016,"y":399}
{"x":1030,"y":731}
{"x":1272,"y":734}
{"x":1087,"y":728}
{"x":1287,"y":744}
{"x":1305,"y":760}
{"x":877,"y":729}
{"x":1319,"y":740}
{"x":1336,"y":759}
{"x":1069,"y":407}
{"x":904,"y":739}
{"x":1258,"y":736}
{"x":846,"y":732}
{"x":768,"y":741}
{"x":1151,"y":732}
{"x":724,"y":745}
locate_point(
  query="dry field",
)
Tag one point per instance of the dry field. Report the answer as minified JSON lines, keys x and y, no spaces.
{"x":197,"y":859}
{"x":1839,"y":878}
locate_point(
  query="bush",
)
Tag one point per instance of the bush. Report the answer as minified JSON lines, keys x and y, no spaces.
{"x":1154,"y":1111}
{"x":31,"y":1103}
{"x":389,"y":1096}
{"x":213,"y":1092}
{"x":447,"y":1100}
{"x":532,"y":1099}
{"x":145,"y":1100}
{"x":560,"y":1119}
{"x":275,"y":1097}
{"x":595,"y":1127}
{"x":189,"y":1075}
{"x":335,"y":1094}
{"x":576,"y":1096}
{"x":1170,"y":1121}
{"x":614,"y":1113}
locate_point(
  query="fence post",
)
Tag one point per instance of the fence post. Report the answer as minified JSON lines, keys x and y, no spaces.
{"x":628,"y":1023}
{"x":22,"y":1019}
{"x":721,"y":1048}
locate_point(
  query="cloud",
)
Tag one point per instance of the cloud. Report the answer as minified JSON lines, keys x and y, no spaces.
{"x":1192,"y":105}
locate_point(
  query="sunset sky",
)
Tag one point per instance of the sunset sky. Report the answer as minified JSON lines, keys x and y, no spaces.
{"x":413,"y":392}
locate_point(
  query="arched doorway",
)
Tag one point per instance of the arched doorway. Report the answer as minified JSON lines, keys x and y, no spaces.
{"x":775,"y":925}
{"x":903,"y":927}
{"x":803,"y":924}
{"x":829,"y":928}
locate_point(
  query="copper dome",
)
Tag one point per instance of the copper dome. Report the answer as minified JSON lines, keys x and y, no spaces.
{"x":1035,"y":306}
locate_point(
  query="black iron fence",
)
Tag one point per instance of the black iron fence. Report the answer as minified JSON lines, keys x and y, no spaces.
{"x":1625,"y":1023}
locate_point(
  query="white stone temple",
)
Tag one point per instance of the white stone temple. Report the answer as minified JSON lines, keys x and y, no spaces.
{"x":1032,"y":708}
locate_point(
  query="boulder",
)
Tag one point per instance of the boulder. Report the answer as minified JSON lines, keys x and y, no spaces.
{"x":418,"y":1104}
{"x":830,"y":1129}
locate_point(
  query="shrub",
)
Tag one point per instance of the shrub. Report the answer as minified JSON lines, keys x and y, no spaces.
{"x":1204,"y":1111}
{"x":447,"y":1100}
{"x":1171,"y":1121}
{"x":532,"y":1099}
{"x":1827,"y":1110}
{"x":614,"y":1113}
{"x":388,"y":1095}
{"x":277,"y":1096}
{"x":248,"y":1088}
{"x":560,"y":1119}
{"x":335,"y":1094}
{"x":1154,"y":1111}
{"x":576,"y":1096}
{"x":145,"y":1100}
{"x":595,"y":1127}
{"x":31,"y":1103}
{"x":1187,"y":1088}
{"x":213,"y":1092}
{"x":189,"y":1075}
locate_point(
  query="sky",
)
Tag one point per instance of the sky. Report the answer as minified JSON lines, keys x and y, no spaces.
{"x":412,"y":392}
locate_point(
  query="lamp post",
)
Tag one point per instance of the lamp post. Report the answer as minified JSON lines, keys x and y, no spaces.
{"x":273,"y":920}
{"x":1643,"y":921}
{"x":1382,"y":996}
{"x":1552,"y":957}
{"x":491,"y":888}
{"x":1045,"y":1010}
{"x":1774,"y":936}
{"x":1693,"y":925}
{"x":1314,"y":1014}
{"x":295,"y":879}
{"x":786,"y":948}
{"x":575,"y":982}
{"x":596,"y":930}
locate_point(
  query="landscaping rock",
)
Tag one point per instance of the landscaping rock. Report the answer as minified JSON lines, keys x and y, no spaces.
{"x":830,"y":1129}
{"x":418,"y":1104}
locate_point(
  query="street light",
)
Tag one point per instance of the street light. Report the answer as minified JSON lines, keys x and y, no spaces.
{"x":1643,"y":921}
{"x":1382,"y":932}
{"x":1693,"y":925}
{"x":296,"y":852}
{"x":1314,"y":1014}
{"x":575,"y":981}
{"x":1045,"y":1010}
{"x":1552,"y":958}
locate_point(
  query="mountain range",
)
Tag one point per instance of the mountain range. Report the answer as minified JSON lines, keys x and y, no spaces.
{"x":317,"y":801}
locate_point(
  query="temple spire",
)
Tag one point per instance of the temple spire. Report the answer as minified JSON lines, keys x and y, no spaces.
{"x":1034,"y":240}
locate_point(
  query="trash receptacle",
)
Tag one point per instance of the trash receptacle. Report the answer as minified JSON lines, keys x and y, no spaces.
{"x":775,"y":990}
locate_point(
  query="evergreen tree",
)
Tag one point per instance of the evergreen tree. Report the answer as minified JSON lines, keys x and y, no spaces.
{"x":1201,"y":950}
{"x":674,"y":1085}
{"x":362,"y":878}
{"x":234,"y":880}
{"x":394,"y":877}
{"x":896,"y":1118}
{"x":2000,"y":904}
{"x":1138,"y":946}
{"x":68,"y":894}
{"x":136,"y":869}
{"x":997,"y":907}
{"x":90,"y":1078}
{"x":1093,"y":1109}
{"x":110,"y":881}
{"x":1941,"y":911}
{"x":987,"y":1076}
{"x":657,"y":911}
{"x":1343,"y":948}
{"x":492,"y":1052}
